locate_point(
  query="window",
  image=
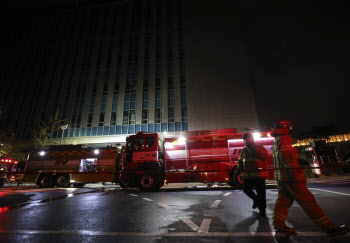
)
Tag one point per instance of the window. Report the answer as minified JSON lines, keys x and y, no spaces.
{"x":171,"y":114}
{"x":150,"y":141}
{"x":184,"y":113}
{"x":113,"y":118}
{"x":157,"y":115}
{"x":125,"y":117}
{"x":144,"y":116}
{"x":101,"y":119}
{"x":132,"y":117}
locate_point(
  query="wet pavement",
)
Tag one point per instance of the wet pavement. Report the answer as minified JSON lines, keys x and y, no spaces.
{"x":185,"y":213}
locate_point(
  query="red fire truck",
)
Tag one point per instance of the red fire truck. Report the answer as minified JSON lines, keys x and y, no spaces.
{"x":199,"y":156}
{"x":62,"y":166}
{"x":8,"y":169}
{"x":147,"y":161}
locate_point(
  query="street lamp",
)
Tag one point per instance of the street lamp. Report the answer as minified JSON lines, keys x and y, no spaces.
{"x":64,"y":127}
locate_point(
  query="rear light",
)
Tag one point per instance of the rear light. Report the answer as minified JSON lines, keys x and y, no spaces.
{"x":256,"y":135}
{"x":269,"y":134}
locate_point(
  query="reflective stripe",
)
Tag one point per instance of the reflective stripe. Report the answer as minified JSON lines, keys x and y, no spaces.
{"x":279,"y":217}
{"x":323,"y":221}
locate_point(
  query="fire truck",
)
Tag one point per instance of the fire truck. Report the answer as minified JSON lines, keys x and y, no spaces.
{"x":147,"y":162}
{"x":8,"y":169}
{"x":209,"y":156}
{"x":62,"y":166}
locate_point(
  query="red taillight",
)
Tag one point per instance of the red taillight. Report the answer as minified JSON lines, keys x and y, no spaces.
{"x":269,"y":134}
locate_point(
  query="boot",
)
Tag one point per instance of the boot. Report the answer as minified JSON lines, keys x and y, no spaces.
{"x":282,"y":227}
{"x":338,"y":230}
{"x":255,"y":204}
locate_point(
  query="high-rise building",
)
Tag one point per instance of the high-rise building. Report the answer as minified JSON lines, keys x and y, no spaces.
{"x":113,"y":68}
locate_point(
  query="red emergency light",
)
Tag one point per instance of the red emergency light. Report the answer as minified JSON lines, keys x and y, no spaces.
{"x":9,"y":161}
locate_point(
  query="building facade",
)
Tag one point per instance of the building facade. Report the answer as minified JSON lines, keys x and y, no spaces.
{"x":113,"y":68}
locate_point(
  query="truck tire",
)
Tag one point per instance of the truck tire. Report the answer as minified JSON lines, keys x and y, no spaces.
{"x":79,"y":185}
{"x":62,"y":181}
{"x":45,"y":181}
{"x":237,"y":178}
{"x":149,"y":182}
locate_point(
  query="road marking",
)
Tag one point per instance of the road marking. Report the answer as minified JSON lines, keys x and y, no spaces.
{"x":190,"y":223}
{"x":147,"y":199}
{"x":164,"y":206}
{"x":133,"y":195}
{"x":340,"y":193}
{"x":167,"y":234}
{"x":215,"y":204}
{"x":204,"y":226}
{"x":226,"y":194}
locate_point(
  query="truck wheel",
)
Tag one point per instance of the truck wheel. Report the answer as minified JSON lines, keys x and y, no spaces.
{"x":237,"y":178}
{"x":62,"y":181}
{"x":45,"y":181}
{"x":149,"y":183}
{"x":79,"y":185}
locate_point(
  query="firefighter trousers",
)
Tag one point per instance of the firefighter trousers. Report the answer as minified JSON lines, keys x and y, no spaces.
{"x":290,"y":191}
{"x":260,"y":187}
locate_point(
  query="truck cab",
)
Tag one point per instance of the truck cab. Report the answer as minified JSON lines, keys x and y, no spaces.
{"x":143,"y":162}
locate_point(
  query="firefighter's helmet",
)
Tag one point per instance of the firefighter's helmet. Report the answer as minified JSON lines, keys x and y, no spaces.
{"x":283,"y":124}
{"x":282,"y":127}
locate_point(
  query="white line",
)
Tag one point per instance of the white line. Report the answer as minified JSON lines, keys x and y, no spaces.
{"x":204,"y":226}
{"x":147,"y":199}
{"x":340,"y":193}
{"x":189,"y":222}
{"x":168,"y":234}
{"x":133,"y":195}
{"x":164,"y":206}
{"x":215,"y":204}
{"x":226,"y":194}
{"x":342,"y":183}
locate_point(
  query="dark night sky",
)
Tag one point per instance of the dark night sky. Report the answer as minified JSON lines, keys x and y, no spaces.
{"x":298,"y":58}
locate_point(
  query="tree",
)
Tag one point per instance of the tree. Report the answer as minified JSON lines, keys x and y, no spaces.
{"x":9,"y":145}
{"x":43,"y":135}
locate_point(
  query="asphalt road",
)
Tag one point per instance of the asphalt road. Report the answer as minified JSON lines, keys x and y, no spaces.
{"x":195,"y":214}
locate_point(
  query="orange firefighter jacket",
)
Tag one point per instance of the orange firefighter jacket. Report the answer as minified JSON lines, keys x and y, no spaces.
{"x":253,"y":162}
{"x":285,"y":160}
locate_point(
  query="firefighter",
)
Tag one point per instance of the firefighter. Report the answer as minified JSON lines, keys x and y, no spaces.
{"x":252,"y":164}
{"x":291,"y":185}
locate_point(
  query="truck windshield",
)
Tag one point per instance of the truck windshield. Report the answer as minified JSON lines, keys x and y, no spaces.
{"x":135,"y":144}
